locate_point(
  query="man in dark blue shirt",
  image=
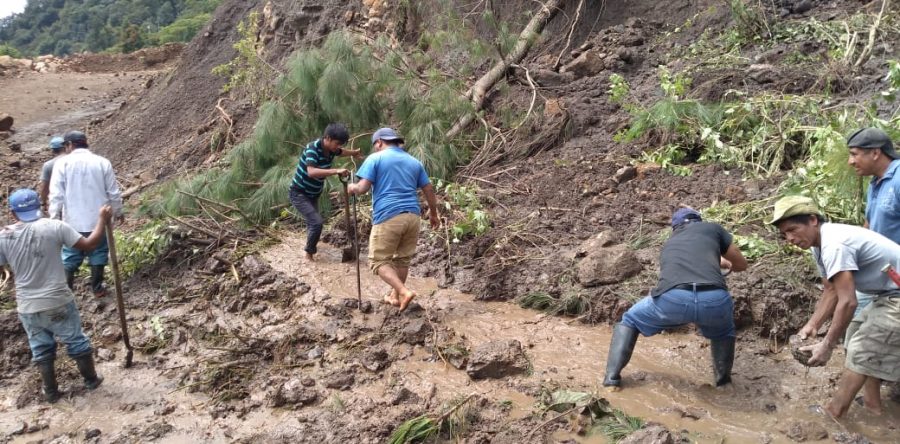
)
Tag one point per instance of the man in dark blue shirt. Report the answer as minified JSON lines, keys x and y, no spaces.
{"x":313,"y":168}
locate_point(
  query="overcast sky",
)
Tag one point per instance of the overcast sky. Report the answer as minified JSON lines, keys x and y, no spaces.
{"x":8,"y":7}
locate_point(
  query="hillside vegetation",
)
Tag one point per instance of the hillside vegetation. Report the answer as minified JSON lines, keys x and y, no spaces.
{"x":63,"y":27}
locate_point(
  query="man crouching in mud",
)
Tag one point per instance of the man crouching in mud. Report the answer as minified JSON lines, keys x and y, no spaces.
{"x":850,"y":259}
{"x":691,"y":288}
{"x":44,"y":301}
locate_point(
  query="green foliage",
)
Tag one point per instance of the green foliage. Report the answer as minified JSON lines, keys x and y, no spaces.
{"x":248,"y":72}
{"x":754,"y":247}
{"x":415,"y":430}
{"x":570,"y":304}
{"x":669,"y":158}
{"x":64,"y":27}
{"x":468,"y":217}
{"x":618,"y":426}
{"x":343,"y":81}
{"x":142,"y":247}
{"x":749,"y":19}
{"x":9,"y":50}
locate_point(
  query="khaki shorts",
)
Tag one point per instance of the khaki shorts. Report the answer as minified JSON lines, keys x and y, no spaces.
{"x":874,"y":350}
{"x":393,"y":242}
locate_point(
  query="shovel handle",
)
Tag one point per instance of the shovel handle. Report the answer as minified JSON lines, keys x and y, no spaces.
{"x":117,"y":278}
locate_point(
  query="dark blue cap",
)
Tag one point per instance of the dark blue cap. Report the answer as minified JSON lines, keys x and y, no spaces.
{"x":685,"y":215}
{"x":56,"y":143}
{"x":26,"y":204}
{"x":386,"y":134}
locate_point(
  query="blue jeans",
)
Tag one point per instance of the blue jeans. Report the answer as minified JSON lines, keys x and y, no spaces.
{"x":63,"y":322}
{"x":712,"y":311}
{"x":308,"y":208}
{"x":73,"y":257}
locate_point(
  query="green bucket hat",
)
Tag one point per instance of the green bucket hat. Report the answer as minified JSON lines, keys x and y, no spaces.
{"x":793,"y":206}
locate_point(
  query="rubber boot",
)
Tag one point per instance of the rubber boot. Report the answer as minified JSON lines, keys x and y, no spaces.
{"x":70,"y":279}
{"x":722,"y":358}
{"x":85,"y":363}
{"x":620,"y":348}
{"x":97,"y":280}
{"x":48,"y":376}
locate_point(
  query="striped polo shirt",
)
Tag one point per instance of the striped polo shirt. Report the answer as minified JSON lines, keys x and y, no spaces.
{"x":314,"y":154}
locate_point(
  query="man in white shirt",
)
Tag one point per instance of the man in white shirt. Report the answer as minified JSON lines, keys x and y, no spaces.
{"x":81,"y":183}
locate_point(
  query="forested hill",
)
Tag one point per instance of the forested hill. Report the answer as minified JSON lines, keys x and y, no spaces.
{"x":63,"y":27}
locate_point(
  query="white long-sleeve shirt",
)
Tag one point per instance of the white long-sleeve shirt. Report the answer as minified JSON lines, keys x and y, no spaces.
{"x":81,"y":183}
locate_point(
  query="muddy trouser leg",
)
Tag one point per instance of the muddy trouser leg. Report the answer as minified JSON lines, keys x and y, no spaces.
{"x":307,"y":207}
{"x":43,"y":347}
{"x":715,"y":318}
{"x":620,"y":348}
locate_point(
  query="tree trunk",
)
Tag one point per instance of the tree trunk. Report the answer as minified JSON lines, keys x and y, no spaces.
{"x":527,"y":37}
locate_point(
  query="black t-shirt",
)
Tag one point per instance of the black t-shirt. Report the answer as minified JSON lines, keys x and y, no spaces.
{"x":692,"y":256}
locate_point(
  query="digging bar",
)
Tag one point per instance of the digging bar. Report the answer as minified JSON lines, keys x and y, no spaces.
{"x":349,"y":253}
{"x":356,"y":239}
{"x":120,"y":304}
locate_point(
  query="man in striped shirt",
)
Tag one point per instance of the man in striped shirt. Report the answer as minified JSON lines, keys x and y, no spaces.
{"x":309,"y":179}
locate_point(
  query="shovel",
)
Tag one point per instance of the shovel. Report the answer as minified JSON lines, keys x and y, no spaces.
{"x":120,"y":304}
{"x":349,"y":253}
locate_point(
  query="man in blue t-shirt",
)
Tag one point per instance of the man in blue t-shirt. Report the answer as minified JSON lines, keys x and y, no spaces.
{"x":394,"y":177}
{"x":313,"y":168}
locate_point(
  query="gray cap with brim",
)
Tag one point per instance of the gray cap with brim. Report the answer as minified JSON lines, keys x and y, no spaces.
{"x":872,"y":138}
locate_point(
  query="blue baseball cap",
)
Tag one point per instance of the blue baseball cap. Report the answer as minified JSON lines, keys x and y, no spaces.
{"x":683,"y":216}
{"x":56,"y":143}
{"x":25,"y":204}
{"x":386,"y":134}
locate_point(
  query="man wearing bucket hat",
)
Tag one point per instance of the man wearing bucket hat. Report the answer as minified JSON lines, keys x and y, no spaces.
{"x":394,"y":176}
{"x":45,"y":305}
{"x":56,"y":145}
{"x":871,"y":153}
{"x":691,"y":289}
{"x":849,"y":259}
{"x":82,"y":182}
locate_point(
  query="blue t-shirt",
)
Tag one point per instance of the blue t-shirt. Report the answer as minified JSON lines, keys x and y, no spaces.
{"x":883,"y":204}
{"x":395,"y":177}
{"x":314,"y":154}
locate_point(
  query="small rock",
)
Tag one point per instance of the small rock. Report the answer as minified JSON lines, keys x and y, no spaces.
{"x":308,"y":382}
{"x":105,"y":354}
{"x":602,"y":239}
{"x":802,"y":6}
{"x":316,"y":353}
{"x":587,"y":64}
{"x":375,"y":359}
{"x":91,"y":433}
{"x":651,"y":433}
{"x":497,"y":359}
{"x":625,"y":174}
{"x":802,"y":356}
{"x":15,"y":164}
{"x":405,"y":396}
{"x":6,"y":122}
{"x":294,"y":393}
{"x":802,"y":431}
{"x":416,"y":332}
{"x":164,"y":410}
{"x":762,"y":73}
{"x":340,"y":380}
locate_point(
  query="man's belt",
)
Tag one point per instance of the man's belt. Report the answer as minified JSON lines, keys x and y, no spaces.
{"x":697,"y":287}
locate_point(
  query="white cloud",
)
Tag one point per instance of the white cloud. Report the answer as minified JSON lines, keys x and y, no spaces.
{"x":8,"y":7}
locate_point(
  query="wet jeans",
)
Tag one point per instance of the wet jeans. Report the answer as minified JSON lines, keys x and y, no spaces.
{"x":712,"y":310}
{"x":308,"y":208}
{"x":43,"y":327}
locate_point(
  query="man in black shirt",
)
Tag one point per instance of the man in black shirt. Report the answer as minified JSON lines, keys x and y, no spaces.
{"x":691,"y":288}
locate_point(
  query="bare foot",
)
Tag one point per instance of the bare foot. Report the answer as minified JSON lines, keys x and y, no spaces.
{"x":873,"y":408}
{"x":392,"y":299}
{"x":406,"y":298}
{"x":310,"y":257}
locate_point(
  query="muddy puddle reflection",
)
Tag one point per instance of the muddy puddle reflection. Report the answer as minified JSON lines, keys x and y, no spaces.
{"x":667,"y":381}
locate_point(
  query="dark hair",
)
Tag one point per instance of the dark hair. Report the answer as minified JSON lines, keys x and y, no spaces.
{"x":338,"y":132}
{"x":804,"y":219}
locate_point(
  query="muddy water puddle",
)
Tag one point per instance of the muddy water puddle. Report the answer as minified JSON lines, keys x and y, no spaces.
{"x":667,"y":380}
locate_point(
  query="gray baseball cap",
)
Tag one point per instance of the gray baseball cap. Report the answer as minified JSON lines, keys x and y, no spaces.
{"x":872,"y":138}
{"x":386,"y":134}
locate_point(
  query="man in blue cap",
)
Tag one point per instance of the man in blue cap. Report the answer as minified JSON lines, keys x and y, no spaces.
{"x":56,"y":145}
{"x":313,"y":168}
{"x":394,"y":176}
{"x":44,"y":302}
{"x":691,"y":289}
{"x":81,"y":183}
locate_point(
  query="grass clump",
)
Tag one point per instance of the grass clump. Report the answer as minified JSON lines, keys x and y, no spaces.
{"x":618,"y":425}
{"x":570,"y":304}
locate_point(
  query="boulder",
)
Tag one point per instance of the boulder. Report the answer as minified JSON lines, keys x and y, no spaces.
{"x":650,"y":434}
{"x":600,"y":240}
{"x":625,"y":174}
{"x":587,"y":64}
{"x":608,"y":265}
{"x":6,"y":122}
{"x":497,"y":359}
{"x":416,"y":332}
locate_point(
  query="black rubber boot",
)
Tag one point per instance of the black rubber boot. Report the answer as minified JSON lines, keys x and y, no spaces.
{"x":722,"y":358}
{"x":48,"y":376}
{"x":620,"y":348}
{"x":70,"y":279}
{"x":97,"y":280}
{"x":85,"y":363}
